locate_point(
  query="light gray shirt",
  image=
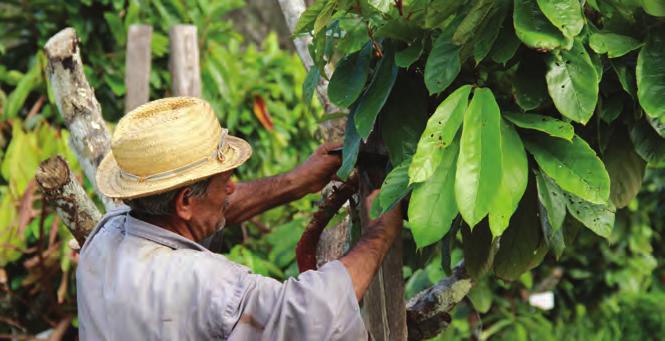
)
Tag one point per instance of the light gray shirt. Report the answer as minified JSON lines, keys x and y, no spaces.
{"x":137,"y":281}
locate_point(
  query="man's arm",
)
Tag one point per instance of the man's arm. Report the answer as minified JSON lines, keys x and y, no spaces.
{"x":253,"y":197}
{"x":366,"y":256}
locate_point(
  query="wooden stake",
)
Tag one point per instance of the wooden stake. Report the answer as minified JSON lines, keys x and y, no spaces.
{"x":137,"y":66}
{"x":184,"y":62}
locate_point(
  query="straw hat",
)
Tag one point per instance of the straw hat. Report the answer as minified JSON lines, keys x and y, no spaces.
{"x":166,"y":144}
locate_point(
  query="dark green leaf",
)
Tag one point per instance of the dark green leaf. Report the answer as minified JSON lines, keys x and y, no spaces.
{"x":308,"y":17}
{"x":650,"y":75}
{"x":598,"y":218}
{"x":610,"y":108}
{"x":349,"y":78}
{"x":551,"y":198}
{"x":615,"y":45}
{"x":443,"y":64}
{"x":309,"y":85}
{"x":546,"y":124}
{"x":564,"y":14}
{"x":514,"y":173}
{"x":529,"y":85}
{"x":432,"y":206}
{"x":400,"y":135}
{"x":553,"y":237}
{"x":626,"y":75}
{"x":439,"y":11}
{"x":441,"y":128}
{"x":507,"y":45}
{"x":535,"y":30}
{"x":351,"y":147}
{"x":473,"y":19}
{"x":522,"y":246}
{"x":489,"y":30}
{"x":394,"y":187}
{"x":478,"y":172}
{"x":648,"y":144}
{"x":400,"y":29}
{"x":573,"y":166}
{"x":478,"y":249}
{"x":572,"y":82}
{"x":376,"y":94}
{"x":409,"y":55}
{"x":625,"y":167}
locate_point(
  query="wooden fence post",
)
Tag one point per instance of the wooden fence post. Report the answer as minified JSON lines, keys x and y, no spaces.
{"x":137,"y":66}
{"x":184,"y":61}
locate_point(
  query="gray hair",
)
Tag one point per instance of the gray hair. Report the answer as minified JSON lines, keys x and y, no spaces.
{"x":163,"y":204}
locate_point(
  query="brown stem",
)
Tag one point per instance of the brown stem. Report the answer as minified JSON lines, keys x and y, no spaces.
{"x":306,"y":248}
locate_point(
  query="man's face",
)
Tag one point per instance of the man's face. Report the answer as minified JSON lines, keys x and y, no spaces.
{"x":209,"y":210}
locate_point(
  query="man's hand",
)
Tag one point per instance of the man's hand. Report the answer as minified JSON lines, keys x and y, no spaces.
{"x":318,"y":169}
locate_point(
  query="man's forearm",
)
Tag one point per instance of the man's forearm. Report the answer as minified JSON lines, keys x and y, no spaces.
{"x":364,"y":259}
{"x":253,"y":197}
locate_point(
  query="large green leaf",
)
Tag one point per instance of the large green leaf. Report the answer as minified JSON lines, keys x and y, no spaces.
{"x":489,"y":30}
{"x":506,"y":43}
{"x":351,"y":147}
{"x":400,"y":135}
{"x":598,"y":218}
{"x":573,"y":166}
{"x":615,"y":45}
{"x":546,"y":124}
{"x":529,"y":86}
{"x":376,"y":94}
{"x":572,"y":82}
{"x":626,"y":169}
{"x":650,"y":75}
{"x":533,"y":28}
{"x":394,"y":188}
{"x":514,"y":173}
{"x":473,"y":19}
{"x":478,"y":172}
{"x":551,"y":198}
{"x":348,"y":80}
{"x":441,"y":128}
{"x":564,"y":14}
{"x":478,"y":250}
{"x":654,"y":7}
{"x":522,"y":245}
{"x":443,"y":64}
{"x":648,"y":144}
{"x":432,"y":206}
{"x":439,"y":11}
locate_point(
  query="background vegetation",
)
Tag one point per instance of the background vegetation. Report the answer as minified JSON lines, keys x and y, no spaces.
{"x":603,"y":289}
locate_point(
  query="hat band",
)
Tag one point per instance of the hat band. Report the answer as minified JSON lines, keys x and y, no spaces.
{"x":218,"y":154}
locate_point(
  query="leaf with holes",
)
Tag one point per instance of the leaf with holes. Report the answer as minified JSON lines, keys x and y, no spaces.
{"x":441,"y":128}
{"x":551,"y":198}
{"x":566,"y":15}
{"x":572,"y":82}
{"x":575,"y":167}
{"x":546,"y":124}
{"x":598,"y":218}
{"x":535,"y":30}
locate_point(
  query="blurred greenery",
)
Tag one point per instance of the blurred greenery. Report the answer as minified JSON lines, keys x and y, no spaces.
{"x":36,"y":265}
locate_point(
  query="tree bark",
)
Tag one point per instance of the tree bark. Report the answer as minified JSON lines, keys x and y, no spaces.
{"x":184,"y":61}
{"x":61,"y":189}
{"x":89,"y":138}
{"x":427,"y":312}
{"x":137,"y":66}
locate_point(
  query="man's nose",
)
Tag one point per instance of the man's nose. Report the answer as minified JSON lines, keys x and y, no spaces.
{"x":230,"y":187}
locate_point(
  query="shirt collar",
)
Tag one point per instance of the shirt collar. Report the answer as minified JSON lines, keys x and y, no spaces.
{"x":142,"y":229}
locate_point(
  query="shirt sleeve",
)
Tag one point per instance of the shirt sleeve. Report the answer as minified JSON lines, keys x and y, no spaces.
{"x":318,"y":305}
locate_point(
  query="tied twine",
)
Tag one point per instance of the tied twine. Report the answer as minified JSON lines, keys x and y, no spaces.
{"x":218,"y":154}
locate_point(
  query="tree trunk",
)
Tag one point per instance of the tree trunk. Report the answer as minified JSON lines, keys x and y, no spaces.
{"x":89,"y":138}
{"x":74,"y":207}
{"x":137,"y":66}
{"x":184,"y":61}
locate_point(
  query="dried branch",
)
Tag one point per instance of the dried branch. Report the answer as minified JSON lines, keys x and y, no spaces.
{"x":74,"y":207}
{"x":89,"y":138}
{"x":306,"y":248}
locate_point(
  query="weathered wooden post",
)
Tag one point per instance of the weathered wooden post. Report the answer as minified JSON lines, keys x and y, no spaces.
{"x":184,"y":61}
{"x":137,"y":66}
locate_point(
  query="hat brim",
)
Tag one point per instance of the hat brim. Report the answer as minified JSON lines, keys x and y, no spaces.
{"x":112,"y":184}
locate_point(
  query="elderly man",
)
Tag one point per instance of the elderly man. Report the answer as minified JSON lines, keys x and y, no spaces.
{"x":143,"y":275}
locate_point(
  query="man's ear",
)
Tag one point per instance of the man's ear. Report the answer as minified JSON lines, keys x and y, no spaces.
{"x":183,"y":204}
